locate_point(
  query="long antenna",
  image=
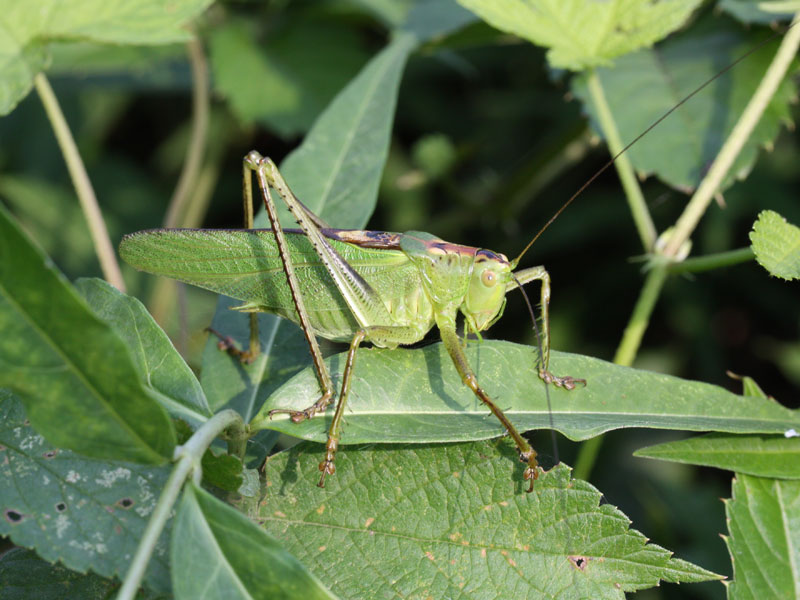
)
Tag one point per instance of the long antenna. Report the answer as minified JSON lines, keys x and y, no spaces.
{"x":613,"y":159}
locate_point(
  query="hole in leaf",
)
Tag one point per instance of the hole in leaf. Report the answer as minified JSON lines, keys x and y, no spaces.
{"x":50,"y":453}
{"x":61,"y":507}
{"x":125,"y":503}
{"x":579,"y":562}
{"x":13,"y":517}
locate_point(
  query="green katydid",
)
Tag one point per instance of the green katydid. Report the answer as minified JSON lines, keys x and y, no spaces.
{"x":347,"y":285}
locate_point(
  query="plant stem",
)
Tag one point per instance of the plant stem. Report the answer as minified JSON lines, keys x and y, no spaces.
{"x":80,"y":180}
{"x":636,"y":201}
{"x":197,"y":139}
{"x":626,"y":352}
{"x":713,"y":261}
{"x":736,"y":140}
{"x":188,"y":459}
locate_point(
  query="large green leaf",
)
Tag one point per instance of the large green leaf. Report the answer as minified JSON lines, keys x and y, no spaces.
{"x":86,"y":513}
{"x":762,"y":455}
{"x":288,"y":81}
{"x":68,"y":366}
{"x":776,"y":244}
{"x":661,"y":77}
{"x":23,"y":576}
{"x":27,"y":26}
{"x":764,"y":523}
{"x":452,"y":521}
{"x":417,"y":396}
{"x":585,"y":33}
{"x":160,"y":366}
{"x":218,"y":553}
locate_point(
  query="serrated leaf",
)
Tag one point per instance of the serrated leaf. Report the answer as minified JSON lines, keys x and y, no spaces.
{"x":776,"y":244}
{"x":761,"y":455}
{"x":661,"y":77}
{"x":218,"y":553}
{"x":86,"y":513}
{"x":585,"y":33}
{"x":68,"y":366}
{"x":26,"y":28}
{"x":417,"y":396}
{"x":452,"y":521}
{"x":764,"y":524}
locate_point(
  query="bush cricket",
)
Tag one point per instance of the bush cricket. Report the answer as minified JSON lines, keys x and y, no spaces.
{"x":350,"y":286}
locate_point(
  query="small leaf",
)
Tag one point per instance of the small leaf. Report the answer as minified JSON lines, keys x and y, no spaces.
{"x":417,"y":396}
{"x":68,"y":366}
{"x":160,"y":366}
{"x":450,"y":521}
{"x":222,"y":470}
{"x":764,"y":524}
{"x":761,"y":455}
{"x":26,"y":28}
{"x":776,"y":244}
{"x":569,"y":28}
{"x":219,"y":553}
{"x":86,"y":513}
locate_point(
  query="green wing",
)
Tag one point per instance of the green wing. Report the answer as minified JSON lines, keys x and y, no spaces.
{"x":245,"y":265}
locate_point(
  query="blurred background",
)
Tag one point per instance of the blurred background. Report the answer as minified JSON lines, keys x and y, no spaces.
{"x":487,"y":144}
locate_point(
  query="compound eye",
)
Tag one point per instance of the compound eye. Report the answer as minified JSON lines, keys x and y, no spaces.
{"x":488,"y":278}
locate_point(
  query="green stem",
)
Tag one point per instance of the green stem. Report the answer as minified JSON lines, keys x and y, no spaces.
{"x":80,"y":180}
{"x":636,"y":201}
{"x":736,"y":140}
{"x":188,"y":459}
{"x":181,"y":198}
{"x":713,"y":261}
{"x":626,"y":352}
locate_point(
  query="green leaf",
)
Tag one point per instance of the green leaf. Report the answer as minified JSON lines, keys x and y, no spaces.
{"x":288,"y":81}
{"x":23,"y":575}
{"x":776,"y":244}
{"x":160,"y":366}
{"x":222,"y":470}
{"x":86,"y":513}
{"x":219,"y":553}
{"x":68,"y":366}
{"x":27,"y":27}
{"x":661,"y":77}
{"x":451,"y":521}
{"x":761,"y":455}
{"x":764,"y":524}
{"x":417,"y":396}
{"x":585,"y":33}
{"x":336,"y":172}
{"x":754,"y":11}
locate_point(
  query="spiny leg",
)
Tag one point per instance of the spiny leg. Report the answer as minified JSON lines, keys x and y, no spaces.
{"x":334,"y":433}
{"x":447,"y":328}
{"x":226,"y":343}
{"x":255,"y":162}
{"x":541,"y":274}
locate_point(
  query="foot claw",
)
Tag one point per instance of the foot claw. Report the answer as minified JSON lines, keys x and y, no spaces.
{"x":567,"y":382}
{"x":227,"y":344}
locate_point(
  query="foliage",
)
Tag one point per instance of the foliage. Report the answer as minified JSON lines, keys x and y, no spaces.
{"x":452,"y":127}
